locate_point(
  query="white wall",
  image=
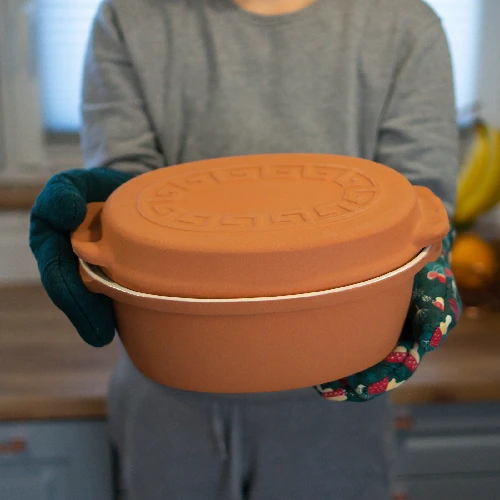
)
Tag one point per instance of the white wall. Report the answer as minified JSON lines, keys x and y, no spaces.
{"x":489,"y":63}
{"x":489,"y":91}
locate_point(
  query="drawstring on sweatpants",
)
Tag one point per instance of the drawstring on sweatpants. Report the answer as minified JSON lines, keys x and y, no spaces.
{"x":228,"y":434}
{"x":218,"y":428}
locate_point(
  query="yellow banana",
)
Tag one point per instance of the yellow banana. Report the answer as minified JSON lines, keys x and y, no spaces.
{"x":496,"y":198}
{"x":490,"y":195}
{"x":479,"y":184}
{"x":474,"y":166}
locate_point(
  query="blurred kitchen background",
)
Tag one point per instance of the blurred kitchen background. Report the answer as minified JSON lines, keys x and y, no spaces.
{"x":53,"y":442}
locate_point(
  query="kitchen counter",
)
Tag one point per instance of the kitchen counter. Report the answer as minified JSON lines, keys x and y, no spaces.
{"x":48,"y":372}
{"x":19,"y":196}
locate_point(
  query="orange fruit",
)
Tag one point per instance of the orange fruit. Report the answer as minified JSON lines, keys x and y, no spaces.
{"x":473,"y":261}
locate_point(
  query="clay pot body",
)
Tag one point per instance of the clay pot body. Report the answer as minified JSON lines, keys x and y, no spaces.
{"x":261,"y":345}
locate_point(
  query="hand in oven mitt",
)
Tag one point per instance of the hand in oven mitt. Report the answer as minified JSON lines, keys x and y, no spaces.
{"x":434,"y":310}
{"x":59,"y":209}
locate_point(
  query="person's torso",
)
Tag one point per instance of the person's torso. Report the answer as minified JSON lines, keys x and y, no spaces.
{"x":219,"y":81}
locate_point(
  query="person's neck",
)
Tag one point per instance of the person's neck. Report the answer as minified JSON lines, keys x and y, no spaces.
{"x":273,"y":7}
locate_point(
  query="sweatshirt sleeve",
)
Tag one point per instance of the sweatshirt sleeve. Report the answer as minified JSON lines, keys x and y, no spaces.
{"x":418,"y":134}
{"x":117,"y":130}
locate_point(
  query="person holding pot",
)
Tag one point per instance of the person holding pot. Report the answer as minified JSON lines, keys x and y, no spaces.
{"x":168,"y":82}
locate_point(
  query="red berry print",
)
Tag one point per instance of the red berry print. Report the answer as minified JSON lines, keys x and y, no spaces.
{"x":398,"y":355}
{"x":440,"y":332}
{"x":433,"y":275}
{"x":454,"y":307}
{"x":411,"y":362}
{"x":439,"y":303}
{"x":337,"y":394}
{"x":378,"y":387}
{"x":448,"y":272}
{"x":436,"y":337}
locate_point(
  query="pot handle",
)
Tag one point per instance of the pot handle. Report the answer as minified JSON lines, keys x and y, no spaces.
{"x":434,"y":223}
{"x":87,"y":238}
{"x":434,"y":252}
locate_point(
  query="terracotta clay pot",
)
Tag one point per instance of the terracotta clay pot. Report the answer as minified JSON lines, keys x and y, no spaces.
{"x":260,"y":273}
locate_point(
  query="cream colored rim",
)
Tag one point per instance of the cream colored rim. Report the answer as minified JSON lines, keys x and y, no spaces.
{"x":96,"y":273}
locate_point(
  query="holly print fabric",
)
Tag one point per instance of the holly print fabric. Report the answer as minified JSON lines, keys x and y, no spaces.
{"x":434,"y":310}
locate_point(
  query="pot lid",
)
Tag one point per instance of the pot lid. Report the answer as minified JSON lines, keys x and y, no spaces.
{"x":262,"y":225}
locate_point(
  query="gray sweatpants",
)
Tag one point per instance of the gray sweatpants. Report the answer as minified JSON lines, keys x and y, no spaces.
{"x":177,"y":445}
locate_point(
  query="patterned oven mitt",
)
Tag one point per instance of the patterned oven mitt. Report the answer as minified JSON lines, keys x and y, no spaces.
{"x":434,"y":310}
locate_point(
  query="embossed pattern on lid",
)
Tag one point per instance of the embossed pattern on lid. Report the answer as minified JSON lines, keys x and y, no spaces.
{"x":282,"y":196}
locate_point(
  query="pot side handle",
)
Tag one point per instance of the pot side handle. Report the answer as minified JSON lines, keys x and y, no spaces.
{"x":434,"y":223}
{"x":87,"y":238}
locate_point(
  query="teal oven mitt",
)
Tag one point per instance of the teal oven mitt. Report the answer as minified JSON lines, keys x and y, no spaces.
{"x":434,"y":310}
{"x":59,"y":209}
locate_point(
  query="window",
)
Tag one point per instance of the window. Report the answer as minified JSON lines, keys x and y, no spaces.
{"x":461,"y":21}
{"x":62,"y":28}
{"x":42,"y":44}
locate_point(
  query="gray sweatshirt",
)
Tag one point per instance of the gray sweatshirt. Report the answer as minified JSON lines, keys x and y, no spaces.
{"x":171,"y":81}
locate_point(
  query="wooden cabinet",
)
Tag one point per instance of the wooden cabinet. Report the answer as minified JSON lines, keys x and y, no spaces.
{"x":449,"y":452}
{"x":55,"y":461}
{"x":457,"y":488}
